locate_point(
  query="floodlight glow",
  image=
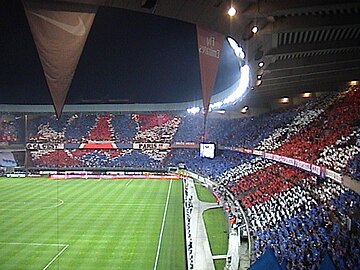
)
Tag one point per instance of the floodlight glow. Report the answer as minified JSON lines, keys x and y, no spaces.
{"x":237,"y":49}
{"x":231,"y":11}
{"x":261,"y":64}
{"x":284,"y":100}
{"x":234,"y":97}
{"x":243,"y":84}
{"x":193,"y":110}
{"x":244,"y":109}
{"x":254,"y":29}
{"x":215,"y":105}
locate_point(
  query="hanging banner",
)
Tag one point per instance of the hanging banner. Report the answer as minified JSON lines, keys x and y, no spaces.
{"x":7,"y":159}
{"x":210,"y":44}
{"x":60,"y":31}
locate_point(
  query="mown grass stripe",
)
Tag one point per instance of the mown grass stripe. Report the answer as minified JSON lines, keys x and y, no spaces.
{"x":107,"y":224}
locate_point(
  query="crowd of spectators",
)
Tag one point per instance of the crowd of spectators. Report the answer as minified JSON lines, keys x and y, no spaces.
{"x":154,"y":128}
{"x":222,"y":162}
{"x":245,"y":131}
{"x":298,"y":215}
{"x":79,"y":126}
{"x":102,"y":130}
{"x":54,"y":159}
{"x":322,"y":131}
{"x":10,"y":129}
{"x":354,"y":167}
{"x":335,"y":122}
{"x":337,"y":156}
{"x":188,"y":206}
{"x":191,"y":129}
{"x":124,"y":128}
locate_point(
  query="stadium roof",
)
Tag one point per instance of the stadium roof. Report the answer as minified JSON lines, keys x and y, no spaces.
{"x":305,"y":46}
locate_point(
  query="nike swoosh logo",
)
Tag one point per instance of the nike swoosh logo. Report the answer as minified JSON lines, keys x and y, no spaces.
{"x":76,"y":30}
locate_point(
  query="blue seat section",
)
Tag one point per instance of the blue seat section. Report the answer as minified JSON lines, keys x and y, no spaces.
{"x":246,"y":132}
{"x":124,"y":128}
{"x":79,"y":126}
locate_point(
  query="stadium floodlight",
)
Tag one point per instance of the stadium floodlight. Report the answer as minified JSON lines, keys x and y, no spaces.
{"x":255,"y":29}
{"x":231,"y":11}
{"x":193,"y":110}
{"x":236,"y":47}
{"x":244,"y":109}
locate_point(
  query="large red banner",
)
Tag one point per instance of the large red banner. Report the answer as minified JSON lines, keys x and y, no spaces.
{"x":60,"y":31}
{"x":210,"y":44}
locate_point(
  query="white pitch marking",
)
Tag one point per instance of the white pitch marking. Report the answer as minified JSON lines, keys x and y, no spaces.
{"x":61,"y":202}
{"x":57,"y":256}
{"x":129,"y":182}
{"x":162,"y":227}
{"x":41,"y":244}
{"x":116,"y":204}
{"x":32,"y":244}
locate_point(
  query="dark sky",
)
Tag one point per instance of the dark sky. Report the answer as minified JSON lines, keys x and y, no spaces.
{"x":129,"y":57}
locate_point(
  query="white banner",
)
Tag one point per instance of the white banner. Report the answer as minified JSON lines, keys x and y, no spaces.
{"x":159,"y":146}
{"x":44,"y":146}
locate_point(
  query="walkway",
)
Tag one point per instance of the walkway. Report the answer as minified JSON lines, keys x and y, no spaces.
{"x":201,"y":253}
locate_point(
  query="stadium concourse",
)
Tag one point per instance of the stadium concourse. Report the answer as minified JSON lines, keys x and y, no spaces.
{"x":292,"y":175}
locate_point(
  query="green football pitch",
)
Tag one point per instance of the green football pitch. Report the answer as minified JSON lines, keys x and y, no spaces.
{"x":91,"y":224}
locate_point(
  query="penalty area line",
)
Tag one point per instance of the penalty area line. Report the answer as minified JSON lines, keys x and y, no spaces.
{"x":162,"y":228}
{"x":56,"y":256}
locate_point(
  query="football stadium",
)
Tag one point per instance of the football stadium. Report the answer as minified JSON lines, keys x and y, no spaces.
{"x":161,"y":135}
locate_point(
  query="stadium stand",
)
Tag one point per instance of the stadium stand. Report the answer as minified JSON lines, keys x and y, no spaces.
{"x":11,"y":131}
{"x":300,"y":216}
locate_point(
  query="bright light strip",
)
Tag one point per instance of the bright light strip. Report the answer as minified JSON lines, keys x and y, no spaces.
{"x":243,"y":84}
{"x":237,"y":49}
{"x":193,"y":110}
{"x":240,"y":89}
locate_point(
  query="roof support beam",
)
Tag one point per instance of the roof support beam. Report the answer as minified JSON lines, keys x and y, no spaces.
{"x":305,"y":72}
{"x":317,"y":61}
{"x":351,"y":74}
{"x":308,"y":23}
{"x":279,"y":8}
{"x":313,"y":47}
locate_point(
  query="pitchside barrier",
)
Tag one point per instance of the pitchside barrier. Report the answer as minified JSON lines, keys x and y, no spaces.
{"x":114,"y":177}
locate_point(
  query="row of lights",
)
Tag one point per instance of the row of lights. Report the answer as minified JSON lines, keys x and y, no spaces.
{"x":232,"y":12}
{"x":254,"y":29}
{"x":259,"y":76}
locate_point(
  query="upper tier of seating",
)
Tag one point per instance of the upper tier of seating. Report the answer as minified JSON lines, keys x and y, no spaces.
{"x":309,"y":132}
